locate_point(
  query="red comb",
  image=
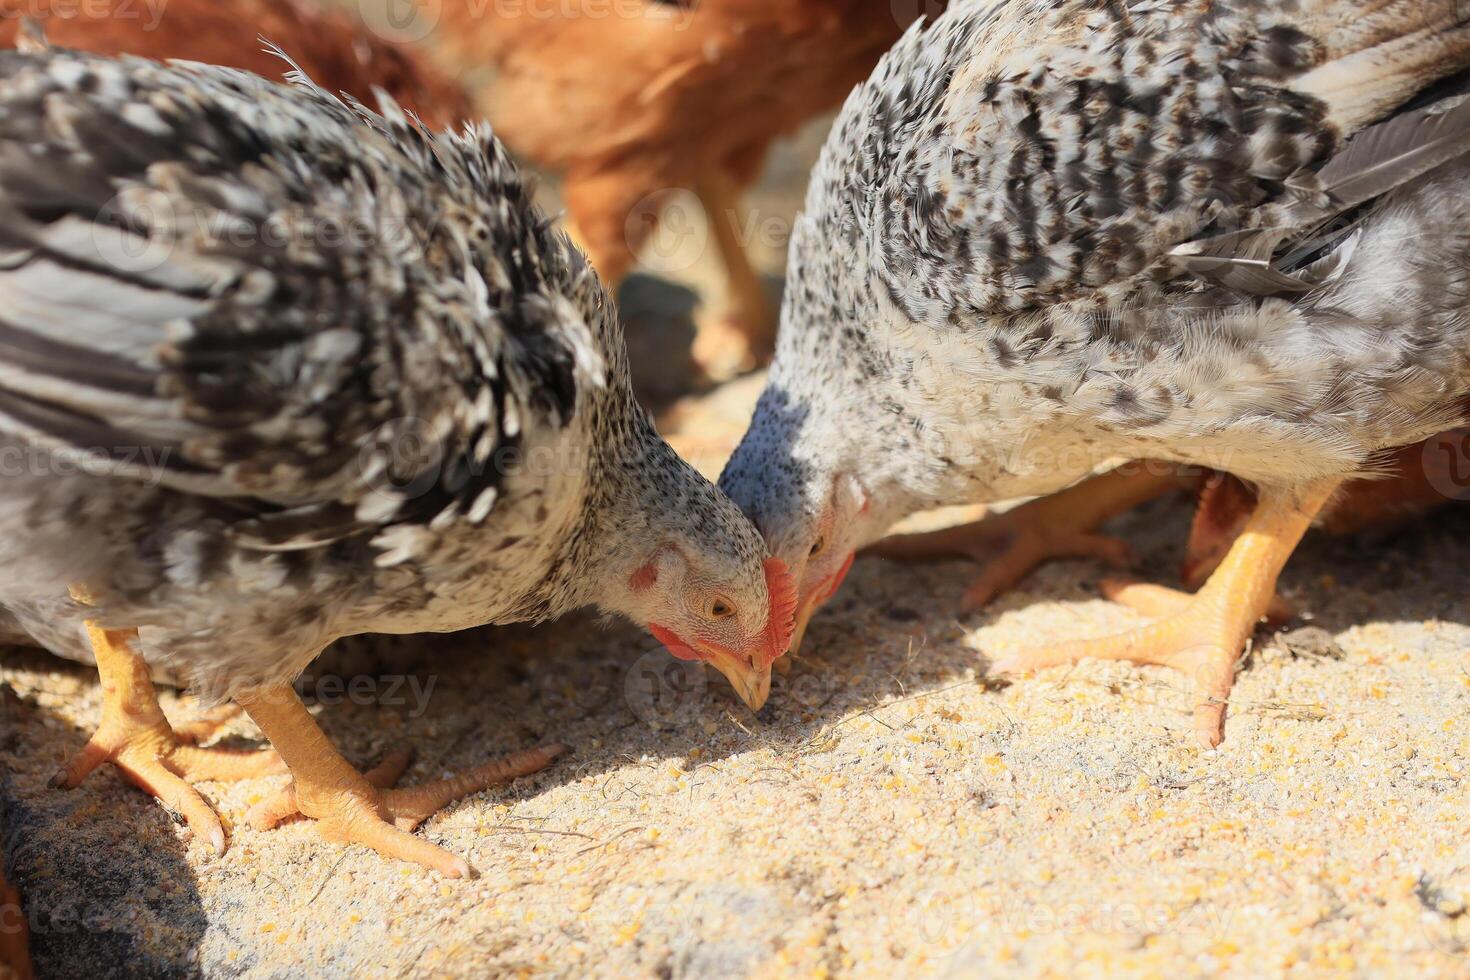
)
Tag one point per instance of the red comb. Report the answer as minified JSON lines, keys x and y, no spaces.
{"x":782,"y":622}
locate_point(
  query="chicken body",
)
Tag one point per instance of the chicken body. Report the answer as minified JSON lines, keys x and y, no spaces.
{"x":630,"y":108}
{"x":1045,"y":235}
{"x":340,"y":54}
{"x":277,"y":370}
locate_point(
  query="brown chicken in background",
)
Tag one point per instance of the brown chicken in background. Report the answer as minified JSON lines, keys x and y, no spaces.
{"x":630,"y":102}
{"x":335,"y":49}
{"x":15,"y":959}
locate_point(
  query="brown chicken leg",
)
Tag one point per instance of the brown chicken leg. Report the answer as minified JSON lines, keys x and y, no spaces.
{"x":1206,"y":637}
{"x":1062,"y":525}
{"x":743,"y":336}
{"x":346,"y":804}
{"x":136,"y":738}
{"x":15,"y":956}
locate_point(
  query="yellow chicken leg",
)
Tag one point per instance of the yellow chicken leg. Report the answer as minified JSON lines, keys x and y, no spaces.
{"x":136,"y":738}
{"x":1206,"y":636}
{"x":1062,"y":525}
{"x":348,"y":807}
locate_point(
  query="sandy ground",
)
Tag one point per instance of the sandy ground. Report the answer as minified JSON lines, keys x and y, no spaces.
{"x":887,"y":811}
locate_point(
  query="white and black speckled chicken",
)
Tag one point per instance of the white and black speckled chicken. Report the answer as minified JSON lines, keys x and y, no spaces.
{"x":1042,"y":235}
{"x":275,"y":369}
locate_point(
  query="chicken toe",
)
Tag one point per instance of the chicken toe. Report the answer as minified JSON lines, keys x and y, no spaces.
{"x":1205,"y":636}
{"x":1063,"y":525}
{"x":136,"y":738}
{"x":281,"y":806}
{"x":345,"y":804}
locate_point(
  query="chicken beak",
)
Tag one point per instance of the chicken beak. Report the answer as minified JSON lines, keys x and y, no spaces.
{"x":752,"y":683}
{"x":813,"y":601}
{"x":803,"y":617}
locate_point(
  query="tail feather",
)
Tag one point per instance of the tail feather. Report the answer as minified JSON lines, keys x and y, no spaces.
{"x":1376,"y":55}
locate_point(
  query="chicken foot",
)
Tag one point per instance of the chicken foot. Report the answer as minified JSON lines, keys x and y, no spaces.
{"x":349,"y":808}
{"x":1206,"y":637}
{"x":1061,"y":525}
{"x":137,"y":739}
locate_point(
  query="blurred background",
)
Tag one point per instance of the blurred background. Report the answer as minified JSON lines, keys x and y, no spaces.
{"x":673,"y":138}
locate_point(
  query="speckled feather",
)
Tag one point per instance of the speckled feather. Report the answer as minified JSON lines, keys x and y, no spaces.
{"x":988,"y":292}
{"x":280,"y":369}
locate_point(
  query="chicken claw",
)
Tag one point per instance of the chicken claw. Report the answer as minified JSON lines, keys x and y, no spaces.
{"x":137,"y":739}
{"x":1062,"y":525}
{"x":1205,"y":637}
{"x":349,"y":808}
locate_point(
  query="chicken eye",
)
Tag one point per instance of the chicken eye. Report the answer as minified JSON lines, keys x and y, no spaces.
{"x":720,"y":609}
{"x":817,"y":547}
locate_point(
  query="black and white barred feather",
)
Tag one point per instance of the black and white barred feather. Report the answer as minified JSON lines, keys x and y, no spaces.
{"x":1046,"y":234}
{"x":276,"y":368}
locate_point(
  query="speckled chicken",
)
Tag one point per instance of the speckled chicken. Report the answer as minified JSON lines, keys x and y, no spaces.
{"x":275,"y":369}
{"x":1043,"y":235}
{"x":630,"y":102}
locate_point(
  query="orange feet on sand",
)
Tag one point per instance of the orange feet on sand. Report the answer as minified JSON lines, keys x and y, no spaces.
{"x":1204,"y":635}
{"x":348,"y":806}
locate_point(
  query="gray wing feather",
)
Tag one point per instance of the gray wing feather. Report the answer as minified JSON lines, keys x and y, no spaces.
{"x":166,"y":284}
{"x":1377,"y":160}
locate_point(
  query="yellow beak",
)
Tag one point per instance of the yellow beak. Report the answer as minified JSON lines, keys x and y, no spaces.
{"x":753,"y":684}
{"x":803,"y":616}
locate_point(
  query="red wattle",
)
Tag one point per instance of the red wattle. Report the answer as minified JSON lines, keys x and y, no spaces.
{"x":781,"y":623}
{"x":672,"y":641}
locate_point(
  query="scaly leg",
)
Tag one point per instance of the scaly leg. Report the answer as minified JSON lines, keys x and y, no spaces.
{"x":15,"y":956}
{"x":345,"y":804}
{"x":136,"y":738}
{"x":1157,"y":601}
{"x":1205,"y":638}
{"x":1062,"y":525}
{"x":744,"y":335}
{"x":207,"y":724}
{"x":282,"y":806}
